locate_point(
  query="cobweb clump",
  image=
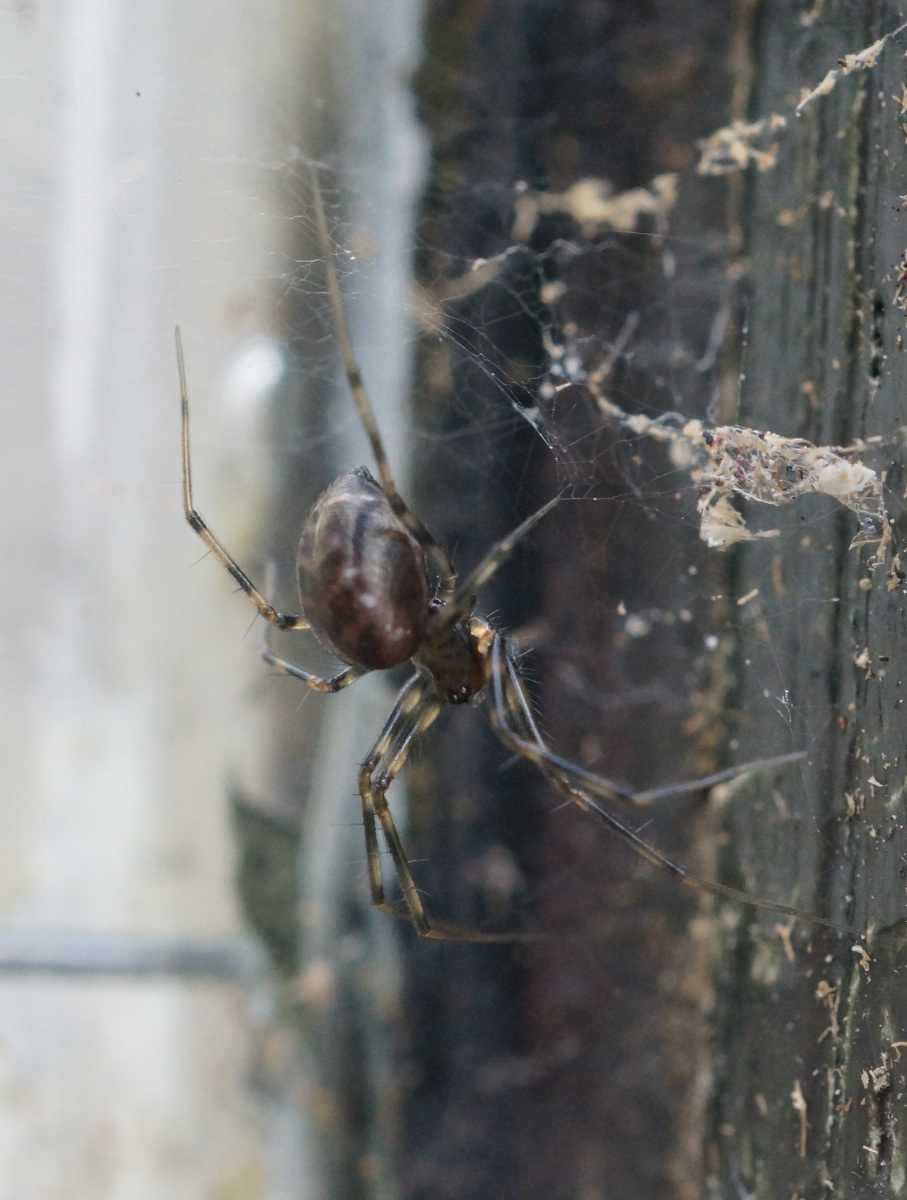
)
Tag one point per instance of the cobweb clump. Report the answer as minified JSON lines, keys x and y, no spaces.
{"x":772,"y":469}
{"x":732,"y":460}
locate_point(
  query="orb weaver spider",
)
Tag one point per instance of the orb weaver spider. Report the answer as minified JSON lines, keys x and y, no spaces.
{"x":362,"y":570}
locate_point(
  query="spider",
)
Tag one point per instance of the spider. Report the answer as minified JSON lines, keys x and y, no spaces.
{"x":363,"y":573}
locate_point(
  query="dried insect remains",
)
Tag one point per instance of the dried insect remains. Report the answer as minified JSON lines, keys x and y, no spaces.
{"x":364,"y":568}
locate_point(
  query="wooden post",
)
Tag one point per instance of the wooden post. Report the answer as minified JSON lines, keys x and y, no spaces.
{"x":808,"y":1084}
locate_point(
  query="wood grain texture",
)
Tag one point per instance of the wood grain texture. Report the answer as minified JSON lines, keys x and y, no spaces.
{"x":807,"y":1036}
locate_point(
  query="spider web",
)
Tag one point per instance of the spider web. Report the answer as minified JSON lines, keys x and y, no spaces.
{"x":531,"y":314}
{"x":524,"y":331}
{"x":620,"y":349}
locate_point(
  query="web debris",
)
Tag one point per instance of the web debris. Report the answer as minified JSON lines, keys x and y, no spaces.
{"x":772,"y":469}
{"x":730,"y":460}
{"x":596,"y":206}
{"x":733,"y":147}
{"x":850,"y":62}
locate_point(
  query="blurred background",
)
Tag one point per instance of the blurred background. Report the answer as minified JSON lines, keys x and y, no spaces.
{"x":151,"y":177}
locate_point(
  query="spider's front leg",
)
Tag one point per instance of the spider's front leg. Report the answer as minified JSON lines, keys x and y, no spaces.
{"x":415,"y":709}
{"x":512,"y":717}
{"x":515,"y":725}
{"x":197,"y":522}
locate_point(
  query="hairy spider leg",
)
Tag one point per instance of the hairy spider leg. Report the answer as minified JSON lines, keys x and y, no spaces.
{"x":217,"y":548}
{"x":608,"y":789}
{"x":707,"y":781}
{"x":331,"y":684}
{"x":435,"y":553}
{"x":414,"y":711}
{"x":510,"y":703}
{"x":461,"y":605}
{"x":408,"y":716}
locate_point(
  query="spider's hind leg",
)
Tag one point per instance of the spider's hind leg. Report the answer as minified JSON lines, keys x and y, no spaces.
{"x":389,"y":752}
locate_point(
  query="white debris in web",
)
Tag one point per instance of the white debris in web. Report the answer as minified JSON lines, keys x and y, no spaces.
{"x":900,"y":291}
{"x":734,"y":146}
{"x":772,"y":469}
{"x":596,"y":206}
{"x":730,"y":460}
{"x":850,"y":62}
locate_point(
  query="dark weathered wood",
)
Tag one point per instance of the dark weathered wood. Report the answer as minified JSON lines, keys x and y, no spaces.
{"x":576,"y":1068}
{"x":821,"y":660}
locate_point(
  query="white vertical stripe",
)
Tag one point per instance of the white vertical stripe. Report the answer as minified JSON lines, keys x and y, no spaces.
{"x":82,"y":251}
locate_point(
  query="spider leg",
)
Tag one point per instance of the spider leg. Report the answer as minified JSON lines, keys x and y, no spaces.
{"x":430,"y":547}
{"x":463,"y":600}
{"x":415,"y":709}
{"x":511,"y":710}
{"x":707,"y":781}
{"x":320,"y":684}
{"x":390,"y":750}
{"x":536,"y":749}
{"x":217,"y":548}
{"x":514,"y":723}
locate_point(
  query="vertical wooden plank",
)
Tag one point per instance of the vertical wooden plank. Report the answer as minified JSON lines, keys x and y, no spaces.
{"x":810,"y":1084}
{"x":577,"y":1067}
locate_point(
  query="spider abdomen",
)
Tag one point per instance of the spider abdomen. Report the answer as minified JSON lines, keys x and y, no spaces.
{"x":362,"y":578}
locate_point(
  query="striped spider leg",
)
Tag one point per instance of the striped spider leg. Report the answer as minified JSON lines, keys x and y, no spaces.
{"x":515,"y":725}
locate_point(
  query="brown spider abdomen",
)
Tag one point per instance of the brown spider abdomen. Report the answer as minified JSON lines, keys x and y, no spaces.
{"x":362,"y":576}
